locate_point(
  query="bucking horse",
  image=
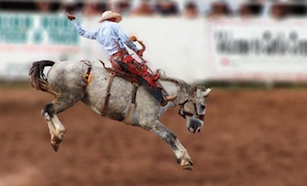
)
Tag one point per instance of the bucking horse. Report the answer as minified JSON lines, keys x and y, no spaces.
{"x":72,"y":81}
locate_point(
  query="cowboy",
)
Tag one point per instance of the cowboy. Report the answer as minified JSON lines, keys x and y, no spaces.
{"x":114,"y":40}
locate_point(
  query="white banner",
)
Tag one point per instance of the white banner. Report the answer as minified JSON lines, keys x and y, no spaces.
{"x":258,"y":49}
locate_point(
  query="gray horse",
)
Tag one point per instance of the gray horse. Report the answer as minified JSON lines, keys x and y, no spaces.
{"x":65,"y":80}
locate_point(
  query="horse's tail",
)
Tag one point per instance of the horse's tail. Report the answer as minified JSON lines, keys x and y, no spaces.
{"x":38,"y":79}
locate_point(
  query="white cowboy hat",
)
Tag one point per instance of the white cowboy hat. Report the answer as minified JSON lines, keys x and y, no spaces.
{"x":110,"y":14}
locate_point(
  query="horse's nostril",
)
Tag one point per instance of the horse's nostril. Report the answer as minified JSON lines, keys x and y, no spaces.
{"x":198,"y":129}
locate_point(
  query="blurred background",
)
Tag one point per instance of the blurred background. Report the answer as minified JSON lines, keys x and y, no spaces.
{"x":252,"y":51}
{"x":259,"y":41}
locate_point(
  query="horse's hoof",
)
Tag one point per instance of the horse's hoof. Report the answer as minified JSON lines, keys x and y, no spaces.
{"x":186,"y":163}
{"x":188,"y":167}
{"x":55,"y":147}
{"x":55,"y":143}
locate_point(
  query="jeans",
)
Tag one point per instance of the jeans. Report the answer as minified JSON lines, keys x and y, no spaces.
{"x":156,"y":92}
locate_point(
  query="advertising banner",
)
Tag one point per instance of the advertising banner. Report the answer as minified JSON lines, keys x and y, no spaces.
{"x":258,"y":49}
{"x":25,"y":38}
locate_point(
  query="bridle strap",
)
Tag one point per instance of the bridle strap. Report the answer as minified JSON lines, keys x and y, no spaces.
{"x":183,"y":113}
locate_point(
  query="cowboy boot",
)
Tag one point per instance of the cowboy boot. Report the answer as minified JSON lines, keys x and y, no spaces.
{"x":167,"y":99}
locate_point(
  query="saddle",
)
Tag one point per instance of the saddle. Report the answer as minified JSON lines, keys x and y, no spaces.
{"x":123,"y":70}
{"x":130,"y":69}
{"x":87,"y":76}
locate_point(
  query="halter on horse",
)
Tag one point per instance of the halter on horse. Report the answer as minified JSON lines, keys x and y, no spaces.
{"x":66,"y":82}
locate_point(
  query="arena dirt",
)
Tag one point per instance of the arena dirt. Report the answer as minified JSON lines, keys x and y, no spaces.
{"x":251,"y":137}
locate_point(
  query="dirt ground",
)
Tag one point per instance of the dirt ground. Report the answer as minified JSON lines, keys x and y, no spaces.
{"x":250,"y":138}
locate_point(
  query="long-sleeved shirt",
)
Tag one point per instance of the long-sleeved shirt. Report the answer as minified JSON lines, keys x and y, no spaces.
{"x":109,"y":35}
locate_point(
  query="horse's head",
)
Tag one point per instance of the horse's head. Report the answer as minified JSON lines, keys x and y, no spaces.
{"x":193,"y":108}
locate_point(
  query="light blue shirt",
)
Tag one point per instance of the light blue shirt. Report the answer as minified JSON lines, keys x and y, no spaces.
{"x":109,"y":35}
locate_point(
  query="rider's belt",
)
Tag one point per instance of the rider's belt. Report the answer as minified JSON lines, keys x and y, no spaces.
{"x":120,"y":53}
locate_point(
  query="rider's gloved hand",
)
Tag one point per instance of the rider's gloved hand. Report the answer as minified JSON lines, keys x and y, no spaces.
{"x":140,"y":52}
{"x":132,"y":38}
{"x":70,"y":17}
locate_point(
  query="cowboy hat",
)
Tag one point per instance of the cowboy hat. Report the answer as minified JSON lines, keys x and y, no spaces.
{"x":108,"y":15}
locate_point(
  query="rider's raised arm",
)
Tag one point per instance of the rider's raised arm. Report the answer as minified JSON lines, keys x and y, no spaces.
{"x":82,"y":32}
{"x":125,"y":39}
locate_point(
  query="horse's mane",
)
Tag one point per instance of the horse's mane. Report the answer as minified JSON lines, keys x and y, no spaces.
{"x":181,"y":83}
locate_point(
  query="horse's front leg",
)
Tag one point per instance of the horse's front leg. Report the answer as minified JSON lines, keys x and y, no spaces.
{"x":183,"y":158}
{"x":56,"y":128}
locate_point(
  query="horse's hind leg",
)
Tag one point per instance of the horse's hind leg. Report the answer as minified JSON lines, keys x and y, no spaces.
{"x":183,"y":158}
{"x":56,"y":128}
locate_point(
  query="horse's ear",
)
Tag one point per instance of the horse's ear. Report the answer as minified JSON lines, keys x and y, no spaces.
{"x":204,"y":91}
{"x":207,"y":91}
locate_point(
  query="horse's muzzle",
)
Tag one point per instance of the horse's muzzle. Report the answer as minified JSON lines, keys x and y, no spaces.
{"x":195,"y":125}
